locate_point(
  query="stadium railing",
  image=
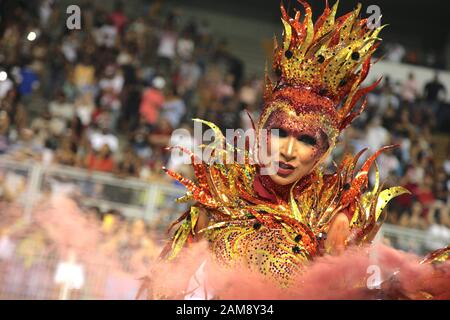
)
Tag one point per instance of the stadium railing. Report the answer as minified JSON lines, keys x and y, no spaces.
{"x":26,"y":182}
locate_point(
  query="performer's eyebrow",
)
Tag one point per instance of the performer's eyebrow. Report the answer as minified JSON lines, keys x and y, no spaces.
{"x":308,"y":139}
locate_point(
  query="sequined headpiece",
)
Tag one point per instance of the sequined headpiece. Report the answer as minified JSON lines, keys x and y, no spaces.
{"x":320,"y":68}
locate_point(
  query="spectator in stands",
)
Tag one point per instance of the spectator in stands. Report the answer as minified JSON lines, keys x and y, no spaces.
{"x":66,"y":154}
{"x":417,"y":221}
{"x":84,"y":108}
{"x":99,"y":138}
{"x":106,"y":33}
{"x":131,"y":95}
{"x":27,"y":147}
{"x":139,"y":143}
{"x":101,"y":160}
{"x":5,"y":86}
{"x":389,"y":166}
{"x":387,"y":98}
{"x":185,"y":45}
{"x":396,"y":52}
{"x":112,"y":79}
{"x":4,"y":131}
{"x":439,"y":231}
{"x":248,"y":94}
{"x":62,"y":109}
{"x":28,"y":80}
{"x":109,"y":109}
{"x":130,"y":165}
{"x":159,"y":138}
{"x":189,"y":75}
{"x":224,"y":89}
{"x":376,"y":135}
{"x":70,"y":45}
{"x":435,"y":92}
{"x":230,"y":115}
{"x":409,"y":89}
{"x":167,"y":45}
{"x":403,"y":125}
{"x":184,"y":138}
{"x":425,"y":193}
{"x":118,"y":17}
{"x":15,"y":110}
{"x":84,"y":74}
{"x":152,"y":101}
{"x":173,"y":108}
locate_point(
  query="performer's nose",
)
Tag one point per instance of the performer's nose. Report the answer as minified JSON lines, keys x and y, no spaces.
{"x":288,"y":152}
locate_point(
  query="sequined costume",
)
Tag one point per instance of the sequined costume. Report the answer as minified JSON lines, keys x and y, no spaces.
{"x":320,"y":68}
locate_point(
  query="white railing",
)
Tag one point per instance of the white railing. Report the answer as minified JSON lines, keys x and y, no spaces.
{"x":132,"y":197}
{"x":34,"y":276}
{"x":29,"y":271}
{"x":420,"y":242}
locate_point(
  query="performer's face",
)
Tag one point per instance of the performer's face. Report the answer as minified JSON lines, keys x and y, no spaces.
{"x":296,"y":149}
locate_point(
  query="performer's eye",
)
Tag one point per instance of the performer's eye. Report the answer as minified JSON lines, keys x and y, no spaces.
{"x":307,"y":139}
{"x":279,"y":132}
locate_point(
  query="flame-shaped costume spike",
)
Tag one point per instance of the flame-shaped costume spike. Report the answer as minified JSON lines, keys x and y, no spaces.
{"x":321,"y":67}
{"x":325,"y":57}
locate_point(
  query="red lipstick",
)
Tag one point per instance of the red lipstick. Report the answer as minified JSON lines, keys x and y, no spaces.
{"x":285,"y":169}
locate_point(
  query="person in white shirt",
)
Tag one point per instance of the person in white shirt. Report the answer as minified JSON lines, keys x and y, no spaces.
{"x":376,"y":135}
{"x":389,"y":165}
{"x":181,"y":137}
{"x":99,"y":138}
{"x":5,"y":86}
{"x":62,"y":109}
{"x":84,"y":108}
{"x":438,"y":233}
{"x":173,"y":108}
{"x":409,"y":90}
{"x":190,"y":74}
{"x":395,"y":53}
{"x":106,"y":35}
{"x":166,"y":51}
{"x":167,"y":44}
{"x":185,"y":47}
{"x":112,"y":80}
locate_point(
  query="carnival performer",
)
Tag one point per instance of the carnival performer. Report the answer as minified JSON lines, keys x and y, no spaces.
{"x":275,"y":224}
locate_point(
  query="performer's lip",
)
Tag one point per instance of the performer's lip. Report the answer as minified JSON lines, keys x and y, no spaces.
{"x":285,"y":169}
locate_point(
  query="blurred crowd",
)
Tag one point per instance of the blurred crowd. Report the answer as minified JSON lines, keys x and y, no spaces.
{"x":108,"y":97}
{"x":416,"y":119}
{"x":106,"y":254}
{"x":400,"y":53}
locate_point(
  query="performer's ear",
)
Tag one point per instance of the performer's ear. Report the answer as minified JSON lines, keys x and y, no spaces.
{"x":337,"y":234}
{"x":324,"y":157}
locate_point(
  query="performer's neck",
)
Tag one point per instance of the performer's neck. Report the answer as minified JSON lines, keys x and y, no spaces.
{"x":266,"y":188}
